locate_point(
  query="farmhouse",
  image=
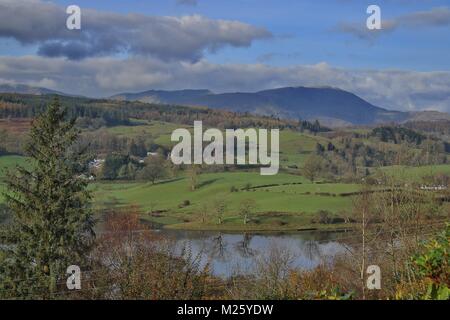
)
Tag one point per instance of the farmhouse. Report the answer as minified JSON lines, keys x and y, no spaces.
{"x":96,"y":163}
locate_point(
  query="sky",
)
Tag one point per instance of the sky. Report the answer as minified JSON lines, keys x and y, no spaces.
{"x":232,"y":45}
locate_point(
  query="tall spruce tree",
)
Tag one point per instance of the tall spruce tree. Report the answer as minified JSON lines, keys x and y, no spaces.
{"x":52,"y":225}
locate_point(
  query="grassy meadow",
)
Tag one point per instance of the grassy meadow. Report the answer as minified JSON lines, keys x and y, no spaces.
{"x":294,"y":146}
{"x":165,"y":202}
{"x":286,"y":201}
{"x":283,"y":202}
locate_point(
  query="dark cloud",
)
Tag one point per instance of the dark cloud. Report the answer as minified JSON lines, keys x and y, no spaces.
{"x":103,"y":33}
{"x":436,"y":17}
{"x":401,"y":90}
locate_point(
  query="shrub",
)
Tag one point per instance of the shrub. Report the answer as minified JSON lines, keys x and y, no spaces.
{"x":434,"y":266}
{"x":185,"y":203}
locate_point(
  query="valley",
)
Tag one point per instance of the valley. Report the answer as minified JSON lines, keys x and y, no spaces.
{"x":288,"y":201}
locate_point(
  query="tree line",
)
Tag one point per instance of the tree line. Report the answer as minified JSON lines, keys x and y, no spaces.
{"x":97,"y":112}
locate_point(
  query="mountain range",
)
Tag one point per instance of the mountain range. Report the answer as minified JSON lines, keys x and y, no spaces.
{"x":331,"y":106}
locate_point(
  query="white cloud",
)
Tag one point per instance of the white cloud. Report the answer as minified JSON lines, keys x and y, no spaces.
{"x":436,"y":17}
{"x":392,"y":89}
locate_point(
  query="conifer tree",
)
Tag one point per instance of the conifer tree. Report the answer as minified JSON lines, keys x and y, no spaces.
{"x":52,"y":225}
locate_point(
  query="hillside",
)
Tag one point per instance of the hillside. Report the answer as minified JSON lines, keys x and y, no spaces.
{"x":125,"y":132}
{"x":24,"y":89}
{"x":161,"y":96}
{"x":330,"y":105}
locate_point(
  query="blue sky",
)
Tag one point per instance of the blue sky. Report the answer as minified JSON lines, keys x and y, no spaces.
{"x":304,"y":31}
{"x":283,"y":42}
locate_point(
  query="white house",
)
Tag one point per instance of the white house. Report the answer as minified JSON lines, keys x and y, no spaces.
{"x":152,"y":154}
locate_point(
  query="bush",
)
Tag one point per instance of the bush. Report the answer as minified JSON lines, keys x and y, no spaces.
{"x":185,"y":203}
{"x":145,"y":267}
{"x":324,"y":217}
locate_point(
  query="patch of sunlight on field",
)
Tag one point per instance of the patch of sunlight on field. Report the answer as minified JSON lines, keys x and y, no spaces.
{"x":295,"y":146}
{"x":170,"y":195}
{"x":160,"y":131}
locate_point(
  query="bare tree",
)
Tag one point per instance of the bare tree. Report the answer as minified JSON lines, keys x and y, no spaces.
{"x":193,"y":173}
{"x":246,"y":208}
{"x":220,"y":206}
{"x":312,"y":167}
{"x":204,"y":209}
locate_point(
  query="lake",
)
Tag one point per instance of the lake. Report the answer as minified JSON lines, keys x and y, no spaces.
{"x":229,"y":253}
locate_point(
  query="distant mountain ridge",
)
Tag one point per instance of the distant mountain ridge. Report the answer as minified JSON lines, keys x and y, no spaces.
{"x":162,"y":96}
{"x":25,"y":89}
{"x":330,"y":105}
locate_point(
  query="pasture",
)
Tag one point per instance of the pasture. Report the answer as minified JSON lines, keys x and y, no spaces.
{"x":277,"y":205}
{"x":294,"y":146}
{"x":282,"y":202}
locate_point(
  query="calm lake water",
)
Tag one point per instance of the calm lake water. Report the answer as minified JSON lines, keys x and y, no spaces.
{"x":229,"y":253}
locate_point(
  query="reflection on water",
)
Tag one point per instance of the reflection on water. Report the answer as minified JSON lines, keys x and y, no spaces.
{"x":231,"y":252}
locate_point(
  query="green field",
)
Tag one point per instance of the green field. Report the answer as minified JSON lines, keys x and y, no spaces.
{"x":158,"y":130}
{"x":308,"y":188}
{"x":170,"y":194}
{"x":294,"y":146}
{"x":283,"y":206}
{"x":273,"y":206}
{"x":283,"y":202}
{"x":417,"y":173}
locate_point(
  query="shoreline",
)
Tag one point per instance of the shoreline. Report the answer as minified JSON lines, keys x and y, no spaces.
{"x":323,"y":229}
